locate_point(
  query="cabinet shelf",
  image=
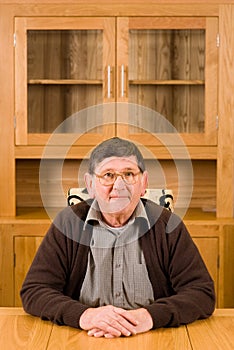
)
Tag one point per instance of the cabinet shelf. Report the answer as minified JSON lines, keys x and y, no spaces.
{"x":64,"y":82}
{"x":167,"y":82}
{"x":78,"y":151}
{"x":193,"y":215}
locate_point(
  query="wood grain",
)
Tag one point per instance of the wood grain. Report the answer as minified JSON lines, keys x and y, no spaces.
{"x":215,"y":333}
{"x":225,"y":170}
{"x":170,"y":339}
{"x":23,"y":332}
{"x":24,"y":249}
{"x":7,"y":164}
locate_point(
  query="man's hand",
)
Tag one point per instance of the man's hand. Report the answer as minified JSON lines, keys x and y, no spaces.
{"x":110,"y":321}
{"x":143,"y":318}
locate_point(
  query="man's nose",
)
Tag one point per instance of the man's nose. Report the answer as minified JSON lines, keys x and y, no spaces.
{"x":119,"y":182}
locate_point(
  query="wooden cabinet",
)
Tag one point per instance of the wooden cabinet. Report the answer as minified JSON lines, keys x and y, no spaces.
{"x":158,"y":73}
{"x":166,"y":64}
{"x":19,"y":243}
{"x":84,"y":79}
{"x":26,"y":247}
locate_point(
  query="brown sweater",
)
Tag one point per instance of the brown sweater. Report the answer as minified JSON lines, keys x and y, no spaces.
{"x":183,"y":288}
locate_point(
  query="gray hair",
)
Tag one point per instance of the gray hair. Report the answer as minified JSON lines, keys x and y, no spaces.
{"x":115,"y":147}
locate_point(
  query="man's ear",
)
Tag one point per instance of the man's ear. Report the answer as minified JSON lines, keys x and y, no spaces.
{"x":144,"y":182}
{"x":89,"y":182}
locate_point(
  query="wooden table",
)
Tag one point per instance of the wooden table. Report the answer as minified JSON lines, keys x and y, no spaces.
{"x":21,"y":331}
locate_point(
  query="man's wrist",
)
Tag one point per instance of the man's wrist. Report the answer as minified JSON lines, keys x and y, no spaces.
{"x":85,"y":319}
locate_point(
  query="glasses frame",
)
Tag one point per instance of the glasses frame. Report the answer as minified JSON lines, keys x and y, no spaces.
{"x":116,"y":174}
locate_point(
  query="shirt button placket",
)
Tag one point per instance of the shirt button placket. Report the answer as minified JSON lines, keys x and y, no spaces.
{"x":118,"y":276}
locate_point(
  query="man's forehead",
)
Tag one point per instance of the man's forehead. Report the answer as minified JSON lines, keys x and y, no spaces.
{"x":110,"y":162}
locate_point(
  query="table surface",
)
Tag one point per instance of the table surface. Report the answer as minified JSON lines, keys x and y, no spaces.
{"x":19,"y":330}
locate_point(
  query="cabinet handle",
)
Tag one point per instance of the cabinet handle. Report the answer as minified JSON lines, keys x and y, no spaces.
{"x":124,"y":81}
{"x":108,"y":81}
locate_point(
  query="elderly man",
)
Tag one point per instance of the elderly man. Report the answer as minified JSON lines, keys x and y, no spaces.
{"x":118,"y":264}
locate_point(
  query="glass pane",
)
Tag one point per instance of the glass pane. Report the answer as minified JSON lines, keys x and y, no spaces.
{"x":55,"y":56}
{"x":167,"y":73}
{"x":64,"y":54}
{"x":182,"y":106}
{"x":50,"y":105}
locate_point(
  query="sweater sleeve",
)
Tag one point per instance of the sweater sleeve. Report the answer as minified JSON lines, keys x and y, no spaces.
{"x":189,"y":294}
{"x":45,"y":292}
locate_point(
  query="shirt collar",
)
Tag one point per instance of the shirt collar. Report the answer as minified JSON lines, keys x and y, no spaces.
{"x":94,"y":214}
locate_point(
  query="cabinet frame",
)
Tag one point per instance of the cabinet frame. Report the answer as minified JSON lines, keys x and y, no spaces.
{"x":22,"y":25}
{"x":210,"y":24}
{"x":124,"y":24}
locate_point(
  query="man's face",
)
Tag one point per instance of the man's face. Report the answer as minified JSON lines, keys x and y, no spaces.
{"x":119,"y":198}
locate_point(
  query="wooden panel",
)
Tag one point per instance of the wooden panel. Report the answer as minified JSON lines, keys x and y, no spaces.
{"x":174,"y":175}
{"x":225,"y":170}
{"x":228,"y":266}
{"x":80,"y":152}
{"x":27,"y":184}
{"x":114,"y":2}
{"x":211,"y":71}
{"x":130,"y":8}
{"x":6,"y":266}
{"x":24,"y":250}
{"x":65,"y":23}
{"x":7,"y":166}
{"x":67,"y":174}
{"x":21,"y":83}
{"x":209,"y":249}
{"x":166,"y":22}
{"x":162,"y":174}
{"x":122,"y":52}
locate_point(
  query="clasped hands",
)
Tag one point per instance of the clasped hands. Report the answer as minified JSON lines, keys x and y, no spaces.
{"x":110,"y":321}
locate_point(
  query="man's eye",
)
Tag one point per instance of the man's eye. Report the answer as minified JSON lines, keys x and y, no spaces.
{"x":108,"y":176}
{"x":128,"y":174}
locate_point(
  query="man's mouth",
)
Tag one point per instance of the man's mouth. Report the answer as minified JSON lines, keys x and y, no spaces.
{"x":118,"y":197}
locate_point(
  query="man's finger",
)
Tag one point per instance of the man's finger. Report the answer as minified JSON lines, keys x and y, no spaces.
{"x":127,"y":315}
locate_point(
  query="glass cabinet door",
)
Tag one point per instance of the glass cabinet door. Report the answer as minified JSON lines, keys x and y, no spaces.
{"x":167,"y":71}
{"x":63,"y":66}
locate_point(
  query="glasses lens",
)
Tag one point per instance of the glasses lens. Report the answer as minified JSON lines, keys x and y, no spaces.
{"x":109,"y":179}
{"x":129,"y":178}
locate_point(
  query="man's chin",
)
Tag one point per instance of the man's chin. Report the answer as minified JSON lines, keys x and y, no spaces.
{"x":117,"y":205}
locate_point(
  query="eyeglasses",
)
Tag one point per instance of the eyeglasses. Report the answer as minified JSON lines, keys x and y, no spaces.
{"x":109,"y":178}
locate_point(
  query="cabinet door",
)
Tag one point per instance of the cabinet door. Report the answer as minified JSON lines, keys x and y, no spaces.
{"x":209,"y":250}
{"x":24,"y":251}
{"x":63,"y":66}
{"x":167,"y":70}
